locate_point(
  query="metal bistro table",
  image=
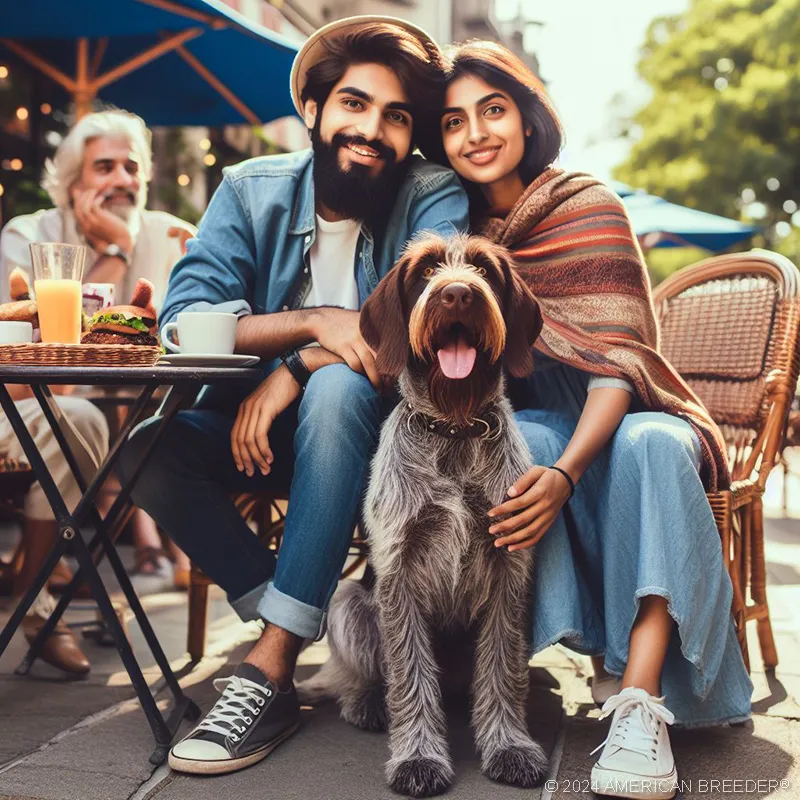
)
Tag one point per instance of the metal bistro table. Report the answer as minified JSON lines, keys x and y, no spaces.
{"x":184,"y":383}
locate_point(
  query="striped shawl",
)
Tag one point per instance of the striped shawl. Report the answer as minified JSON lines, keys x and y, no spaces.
{"x":574,"y":246}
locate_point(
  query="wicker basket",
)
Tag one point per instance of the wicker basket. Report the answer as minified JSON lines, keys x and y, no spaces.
{"x":79,"y":355}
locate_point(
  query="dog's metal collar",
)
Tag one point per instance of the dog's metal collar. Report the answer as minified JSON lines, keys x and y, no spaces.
{"x":484,"y":426}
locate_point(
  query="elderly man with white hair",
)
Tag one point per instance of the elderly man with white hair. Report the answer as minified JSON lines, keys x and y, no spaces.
{"x":98,"y":182}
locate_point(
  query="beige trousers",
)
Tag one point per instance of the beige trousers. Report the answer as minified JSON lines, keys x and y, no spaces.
{"x":85,"y":429}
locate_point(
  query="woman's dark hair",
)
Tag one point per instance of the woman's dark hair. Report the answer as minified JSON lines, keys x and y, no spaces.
{"x":505,"y":71}
{"x":418,"y":66}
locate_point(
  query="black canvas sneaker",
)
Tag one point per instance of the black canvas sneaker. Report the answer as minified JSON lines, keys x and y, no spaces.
{"x":245,"y":725}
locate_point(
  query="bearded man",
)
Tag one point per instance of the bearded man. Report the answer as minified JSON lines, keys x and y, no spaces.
{"x":294,"y":244}
{"x":98,"y":183}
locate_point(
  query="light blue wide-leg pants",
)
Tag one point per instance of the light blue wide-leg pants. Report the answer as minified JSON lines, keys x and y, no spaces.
{"x":641,"y":525}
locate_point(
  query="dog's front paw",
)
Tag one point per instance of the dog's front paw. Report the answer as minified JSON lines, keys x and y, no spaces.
{"x":420,"y":777}
{"x":519,"y":766}
{"x":366,"y":710}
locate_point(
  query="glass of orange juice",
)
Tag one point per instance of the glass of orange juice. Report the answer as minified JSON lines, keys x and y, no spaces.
{"x":57,"y":275}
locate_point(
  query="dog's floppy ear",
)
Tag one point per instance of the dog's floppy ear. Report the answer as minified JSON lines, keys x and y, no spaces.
{"x":523,"y":321}
{"x":383,"y":323}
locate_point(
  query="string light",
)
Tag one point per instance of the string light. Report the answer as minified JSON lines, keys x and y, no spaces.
{"x":2,"y":190}
{"x":210,"y":159}
{"x":3,"y":73}
{"x":45,"y":108}
{"x":184,"y":180}
{"x":16,"y":164}
{"x":205,"y":144}
{"x":22,"y":113}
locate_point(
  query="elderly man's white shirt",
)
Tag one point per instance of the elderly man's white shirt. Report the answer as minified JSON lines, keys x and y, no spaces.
{"x":154,"y":251}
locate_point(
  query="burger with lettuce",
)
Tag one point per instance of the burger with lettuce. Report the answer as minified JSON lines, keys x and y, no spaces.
{"x":133,"y":324}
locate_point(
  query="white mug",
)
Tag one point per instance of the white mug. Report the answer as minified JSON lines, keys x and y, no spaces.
{"x":202,"y":333}
{"x":15,"y":332}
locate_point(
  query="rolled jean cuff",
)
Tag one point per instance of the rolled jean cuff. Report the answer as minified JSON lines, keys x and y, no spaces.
{"x":292,"y":615}
{"x":246,"y":606}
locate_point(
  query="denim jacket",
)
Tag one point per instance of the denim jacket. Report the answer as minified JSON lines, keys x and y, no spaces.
{"x":251,"y":252}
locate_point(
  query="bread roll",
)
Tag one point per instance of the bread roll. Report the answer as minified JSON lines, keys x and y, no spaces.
{"x":19,"y":285}
{"x":19,"y":311}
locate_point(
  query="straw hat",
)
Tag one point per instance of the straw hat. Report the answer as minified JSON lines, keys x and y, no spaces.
{"x":313,"y":51}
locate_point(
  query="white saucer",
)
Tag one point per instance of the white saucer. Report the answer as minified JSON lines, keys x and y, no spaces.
{"x":208,"y":360}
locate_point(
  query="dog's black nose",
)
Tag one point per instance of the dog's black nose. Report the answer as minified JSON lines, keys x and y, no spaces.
{"x":456,"y":296}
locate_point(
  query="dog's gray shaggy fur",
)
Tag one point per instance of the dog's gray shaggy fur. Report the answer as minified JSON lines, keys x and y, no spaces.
{"x":436,"y":569}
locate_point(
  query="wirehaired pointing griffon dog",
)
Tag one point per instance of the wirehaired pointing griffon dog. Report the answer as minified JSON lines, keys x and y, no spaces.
{"x":445,"y":321}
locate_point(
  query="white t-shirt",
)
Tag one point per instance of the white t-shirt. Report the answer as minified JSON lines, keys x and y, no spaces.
{"x":155,"y":252}
{"x":332,"y":257}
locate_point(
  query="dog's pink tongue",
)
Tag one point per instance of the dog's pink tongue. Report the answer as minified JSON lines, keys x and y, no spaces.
{"x":456,"y":358}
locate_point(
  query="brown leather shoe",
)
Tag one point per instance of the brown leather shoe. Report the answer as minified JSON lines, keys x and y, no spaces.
{"x":61,"y":647}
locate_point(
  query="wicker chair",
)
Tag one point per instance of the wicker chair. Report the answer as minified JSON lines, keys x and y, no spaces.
{"x":729,"y":326}
{"x":267,"y":513}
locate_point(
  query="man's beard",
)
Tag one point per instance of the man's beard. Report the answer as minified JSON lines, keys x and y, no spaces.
{"x":112,"y":202}
{"x":129,"y":213}
{"x":357,"y":193}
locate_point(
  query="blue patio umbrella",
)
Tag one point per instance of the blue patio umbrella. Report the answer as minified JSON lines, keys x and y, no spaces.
{"x":659,"y":223}
{"x":173,"y":62}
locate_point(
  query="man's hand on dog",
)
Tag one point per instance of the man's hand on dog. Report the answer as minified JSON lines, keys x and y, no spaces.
{"x":337,"y":330}
{"x":250,"y":434}
{"x":536,"y":499}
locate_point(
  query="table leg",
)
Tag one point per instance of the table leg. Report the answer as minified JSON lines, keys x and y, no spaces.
{"x":45,"y":398}
{"x":66,"y":524}
{"x":163,"y":730}
{"x":106,"y":543}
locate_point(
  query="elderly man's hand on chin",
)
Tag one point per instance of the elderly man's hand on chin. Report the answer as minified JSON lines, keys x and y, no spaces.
{"x":99,"y":225}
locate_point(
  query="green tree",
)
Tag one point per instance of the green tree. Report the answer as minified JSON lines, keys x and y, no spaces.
{"x":724,"y":114}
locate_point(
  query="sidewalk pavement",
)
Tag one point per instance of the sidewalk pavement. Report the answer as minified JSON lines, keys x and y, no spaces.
{"x":88,"y":740}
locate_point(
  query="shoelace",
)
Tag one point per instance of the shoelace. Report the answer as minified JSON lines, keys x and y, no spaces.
{"x":650,"y":712}
{"x":241,"y":701}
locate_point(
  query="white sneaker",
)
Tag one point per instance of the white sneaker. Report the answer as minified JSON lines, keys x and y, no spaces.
{"x":637,"y":758}
{"x":605,"y":687}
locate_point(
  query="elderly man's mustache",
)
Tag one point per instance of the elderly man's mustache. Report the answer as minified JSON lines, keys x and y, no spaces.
{"x":120,"y":194}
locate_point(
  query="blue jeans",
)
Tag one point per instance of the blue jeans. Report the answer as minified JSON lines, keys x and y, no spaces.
{"x":322,"y":447}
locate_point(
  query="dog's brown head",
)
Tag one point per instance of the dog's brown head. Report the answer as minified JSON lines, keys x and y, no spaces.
{"x":453,"y":309}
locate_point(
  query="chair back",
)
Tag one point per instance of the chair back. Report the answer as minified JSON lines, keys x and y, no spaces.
{"x":730,"y":326}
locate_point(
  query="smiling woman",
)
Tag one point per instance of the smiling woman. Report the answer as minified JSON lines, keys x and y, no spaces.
{"x":633,"y":574}
{"x":498,"y":127}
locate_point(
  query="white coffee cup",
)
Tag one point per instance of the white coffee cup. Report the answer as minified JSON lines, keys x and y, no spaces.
{"x":202,"y":333}
{"x":15,"y":332}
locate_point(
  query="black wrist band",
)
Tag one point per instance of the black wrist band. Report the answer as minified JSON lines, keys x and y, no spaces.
{"x":566,"y":475}
{"x":296,"y":365}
